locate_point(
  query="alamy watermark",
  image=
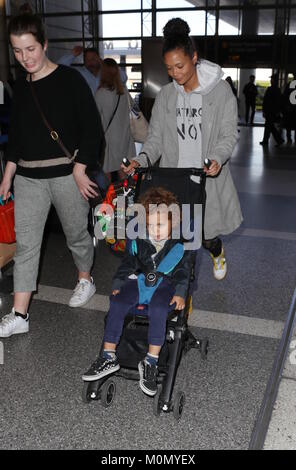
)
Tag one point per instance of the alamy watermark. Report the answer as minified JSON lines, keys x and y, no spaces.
{"x":131,"y":222}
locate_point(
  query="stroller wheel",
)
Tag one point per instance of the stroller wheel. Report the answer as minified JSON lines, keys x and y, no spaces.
{"x":108,"y":393}
{"x":157,"y":403}
{"x":179,"y":402}
{"x":89,"y":391}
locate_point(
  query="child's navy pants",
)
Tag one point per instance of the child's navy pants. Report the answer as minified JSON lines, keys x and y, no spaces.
{"x":128,"y":297}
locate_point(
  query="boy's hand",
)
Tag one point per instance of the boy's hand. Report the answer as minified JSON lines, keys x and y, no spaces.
{"x":115,"y":292}
{"x":180,"y":302}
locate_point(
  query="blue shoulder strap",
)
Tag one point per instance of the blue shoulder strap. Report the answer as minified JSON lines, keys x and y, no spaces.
{"x":169,"y":262}
{"x":171,"y":259}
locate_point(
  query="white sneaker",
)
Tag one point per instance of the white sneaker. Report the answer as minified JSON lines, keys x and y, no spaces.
{"x":220,"y":266}
{"x":12,"y":325}
{"x":83,"y":292}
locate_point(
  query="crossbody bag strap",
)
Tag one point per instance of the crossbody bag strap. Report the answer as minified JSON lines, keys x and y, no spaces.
{"x":53,"y":134}
{"x":114,"y":112}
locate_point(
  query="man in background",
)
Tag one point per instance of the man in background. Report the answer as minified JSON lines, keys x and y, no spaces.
{"x":91,"y":70}
{"x":272,"y":106}
{"x":250,"y":91}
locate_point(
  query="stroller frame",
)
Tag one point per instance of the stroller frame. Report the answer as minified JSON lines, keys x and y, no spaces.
{"x":179,"y":339}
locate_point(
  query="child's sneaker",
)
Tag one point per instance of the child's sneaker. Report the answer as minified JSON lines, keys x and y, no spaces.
{"x":83,"y":292}
{"x":220,"y":266}
{"x":148,"y":374}
{"x":100,"y":368}
{"x":13,"y":325}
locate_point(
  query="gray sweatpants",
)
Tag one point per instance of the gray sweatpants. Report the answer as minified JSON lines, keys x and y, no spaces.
{"x":33,"y":199}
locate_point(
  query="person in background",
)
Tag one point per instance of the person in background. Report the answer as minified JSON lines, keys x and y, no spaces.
{"x":193,"y":118}
{"x":42,"y":172}
{"x":289,"y":110}
{"x":234,"y":90}
{"x":272,"y":106}
{"x":91,"y":70}
{"x":250,"y":91}
{"x":112,"y":102}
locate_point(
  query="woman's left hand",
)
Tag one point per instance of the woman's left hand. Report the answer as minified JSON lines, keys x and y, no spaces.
{"x":214,"y":168}
{"x":84,"y":184}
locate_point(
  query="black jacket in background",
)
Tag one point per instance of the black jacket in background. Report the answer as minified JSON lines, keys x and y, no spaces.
{"x":272,"y":103}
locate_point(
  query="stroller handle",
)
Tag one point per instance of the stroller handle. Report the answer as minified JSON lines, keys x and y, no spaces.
{"x":173,"y":171}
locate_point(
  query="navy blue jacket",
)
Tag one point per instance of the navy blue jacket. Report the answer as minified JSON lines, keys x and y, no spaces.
{"x":131,"y":264}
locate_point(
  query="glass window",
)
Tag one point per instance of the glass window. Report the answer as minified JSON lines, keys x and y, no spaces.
{"x":195,"y":19}
{"x":128,"y":51}
{"x":64,"y":27}
{"x":119,"y":5}
{"x":147,"y":4}
{"x":266,"y":21}
{"x":211,"y":23}
{"x":230,"y":3}
{"x":57,"y":50}
{"x":121,"y":25}
{"x":228,"y":22}
{"x":233,"y":73}
{"x":147,"y":24}
{"x":52,"y":6}
{"x":179,"y":4}
{"x":292,"y":26}
{"x":134,"y":80}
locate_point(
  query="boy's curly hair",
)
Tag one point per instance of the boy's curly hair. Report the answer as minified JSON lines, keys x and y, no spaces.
{"x":156,"y":197}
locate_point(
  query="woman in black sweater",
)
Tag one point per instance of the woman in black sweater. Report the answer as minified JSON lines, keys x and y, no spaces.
{"x":43,"y":171}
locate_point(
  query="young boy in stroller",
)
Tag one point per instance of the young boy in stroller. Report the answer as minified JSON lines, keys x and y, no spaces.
{"x":156,"y":273}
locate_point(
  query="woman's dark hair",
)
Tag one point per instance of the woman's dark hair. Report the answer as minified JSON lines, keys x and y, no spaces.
{"x":110,"y":76}
{"x":27,"y":23}
{"x":176,"y":36}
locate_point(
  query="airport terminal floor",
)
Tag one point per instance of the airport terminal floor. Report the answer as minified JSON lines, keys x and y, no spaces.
{"x":243,"y":316}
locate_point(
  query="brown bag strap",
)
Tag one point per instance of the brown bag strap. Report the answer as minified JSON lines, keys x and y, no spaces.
{"x":53,"y":134}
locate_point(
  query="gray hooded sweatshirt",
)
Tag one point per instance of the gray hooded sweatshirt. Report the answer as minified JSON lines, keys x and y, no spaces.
{"x":215,"y":137}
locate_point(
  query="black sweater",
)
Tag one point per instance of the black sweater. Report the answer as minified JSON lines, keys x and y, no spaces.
{"x":68,"y":105}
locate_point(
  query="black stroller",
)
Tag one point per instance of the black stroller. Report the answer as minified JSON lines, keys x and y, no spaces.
{"x":133,"y":345}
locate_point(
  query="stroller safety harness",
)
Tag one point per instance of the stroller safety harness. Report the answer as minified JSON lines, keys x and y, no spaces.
{"x":149,"y":282}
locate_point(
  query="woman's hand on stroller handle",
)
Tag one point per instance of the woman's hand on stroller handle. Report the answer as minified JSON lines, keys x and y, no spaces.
{"x":211,"y":167}
{"x":129,"y":166}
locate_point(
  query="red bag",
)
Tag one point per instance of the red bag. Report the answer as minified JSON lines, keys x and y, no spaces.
{"x":7,"y":233}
